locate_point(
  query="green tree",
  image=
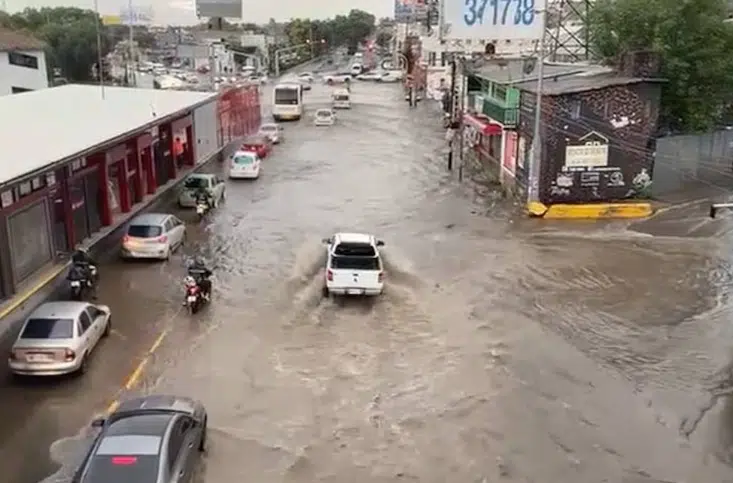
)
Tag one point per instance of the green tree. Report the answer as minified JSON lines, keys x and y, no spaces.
{"x":694,"y":44}
{"x":342,"y":30}
{"x":70,"y":34}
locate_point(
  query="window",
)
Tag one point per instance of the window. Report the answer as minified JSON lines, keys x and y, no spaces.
{"x":19,"y":90}
{"x":22,"y":60}
{"x":37,"y":183}
{"x":575,"y":109}
{"x":86,"y":322}
{"x":48,"y":328}
{"x":443,"y":59}
{"x":431,"y":59}
{"x":125,"y":458}
{"x":175,"y":443}
{"x":25,"y":189}
{"x":6,"y":198}
{"x":144,"y":231}
{"x":94,"y":312}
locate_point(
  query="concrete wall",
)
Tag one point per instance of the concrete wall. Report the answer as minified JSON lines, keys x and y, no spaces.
{"x":23,"y":77}
{"x":205,"y":126}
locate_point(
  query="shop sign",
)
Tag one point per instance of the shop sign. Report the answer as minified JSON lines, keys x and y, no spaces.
{"x":590,"y":153}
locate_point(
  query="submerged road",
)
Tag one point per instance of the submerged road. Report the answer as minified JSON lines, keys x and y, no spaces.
{"x":501,"y":349}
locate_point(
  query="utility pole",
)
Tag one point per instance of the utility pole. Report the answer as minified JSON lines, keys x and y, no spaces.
{"x":453,"y":75}
{"x":100,"y":67}
{"x":131,"y":35}
{"x":536,"y":159}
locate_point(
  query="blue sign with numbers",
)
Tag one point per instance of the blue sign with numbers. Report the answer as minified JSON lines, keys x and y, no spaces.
{"x":493,"y":19}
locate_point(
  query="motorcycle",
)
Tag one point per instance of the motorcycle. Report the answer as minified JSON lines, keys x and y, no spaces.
{"x":79,"y":281}
{"x":202,"y":209}
{"x":194,"y":298}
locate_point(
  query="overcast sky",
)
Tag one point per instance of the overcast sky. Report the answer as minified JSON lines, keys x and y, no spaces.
{"x":259,"y":11}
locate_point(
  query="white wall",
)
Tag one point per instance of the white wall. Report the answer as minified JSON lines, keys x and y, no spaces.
{"x":24,"y":77}
{"x":205,"y":126}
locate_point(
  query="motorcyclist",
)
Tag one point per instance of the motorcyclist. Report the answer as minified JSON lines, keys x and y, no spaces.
{"x":83,"y":264}
{"x":201,"y":273}
{"x":203,"y":196}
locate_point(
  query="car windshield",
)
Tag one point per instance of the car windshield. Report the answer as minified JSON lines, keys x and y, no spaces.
{"x":144,"y":231}
{"x":341,"y":97}
{"x":286,"y":96}
{"x":126,"y":458}
{"x":355,"y":263}
{"x":48,"y":328}
{"x":323,"y":113}
{"x":243,"y":159}
{"x":197,"y":182}
{"x":268,"y":128}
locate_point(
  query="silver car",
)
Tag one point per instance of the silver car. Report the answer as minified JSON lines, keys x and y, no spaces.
{"x":58,"y":338}
{"x":153,"y":235}
{"x":210,"y":182}
{"x":273,"y":131}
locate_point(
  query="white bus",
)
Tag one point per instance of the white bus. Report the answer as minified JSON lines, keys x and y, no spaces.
{"x":287,"y":102}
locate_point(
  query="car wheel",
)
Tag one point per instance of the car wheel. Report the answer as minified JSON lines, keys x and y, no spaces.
{"x":108,"y":327}
{"x":223,"y":194}
{"x":324,"y":292}
{"x":83,"y":366}
{"x":202,"y":443}
{"x":329,"y":82}
{"x":167,"y":255}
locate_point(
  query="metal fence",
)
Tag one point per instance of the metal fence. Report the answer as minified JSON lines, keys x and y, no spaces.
{"x":689,"y":162}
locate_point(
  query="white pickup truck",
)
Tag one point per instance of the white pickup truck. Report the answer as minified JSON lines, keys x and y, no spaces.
{"x":353,"y":265}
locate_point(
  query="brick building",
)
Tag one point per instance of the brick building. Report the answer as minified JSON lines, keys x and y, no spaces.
{"x":598,"y":125}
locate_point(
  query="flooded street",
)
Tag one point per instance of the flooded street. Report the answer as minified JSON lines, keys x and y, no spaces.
{"x":502,"y":350}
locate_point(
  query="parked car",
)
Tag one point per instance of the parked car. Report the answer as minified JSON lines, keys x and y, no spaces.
{"x":154,"y":439}
{"x":259,"y":143}
{"x":244,"y":165}
{"x":391,"y":76}
{"x":370,"y":76}
{"x":325,"y":117}
{"x":153,"y":235}
{"x":356,"y":69}
{"x":210,"y":182}
{"x":273,"y":131}
{"x":58,"y":338}
{"x":337,"y":78}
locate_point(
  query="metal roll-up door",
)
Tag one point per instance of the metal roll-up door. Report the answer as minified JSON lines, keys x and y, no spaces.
{"x":30,"y":240}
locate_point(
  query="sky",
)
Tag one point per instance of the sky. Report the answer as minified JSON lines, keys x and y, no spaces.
{"x":182,"y":12}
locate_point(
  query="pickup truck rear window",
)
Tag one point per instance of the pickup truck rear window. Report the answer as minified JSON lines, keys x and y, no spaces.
{"x":355,"y":263}
{"x":355,"y":250}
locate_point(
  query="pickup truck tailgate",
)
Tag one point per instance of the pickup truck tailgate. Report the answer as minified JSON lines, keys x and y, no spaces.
{"x":355,"y":279}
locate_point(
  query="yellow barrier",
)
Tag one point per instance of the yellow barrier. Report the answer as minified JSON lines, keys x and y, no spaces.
{"x":594,"y":211}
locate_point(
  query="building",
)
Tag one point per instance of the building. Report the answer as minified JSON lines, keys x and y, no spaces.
{"x":22,"y":63}
{"x":89,"y":174}
{"x":598,"y":127}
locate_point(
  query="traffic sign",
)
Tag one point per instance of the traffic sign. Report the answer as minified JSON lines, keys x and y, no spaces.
{"x":493,"y":19}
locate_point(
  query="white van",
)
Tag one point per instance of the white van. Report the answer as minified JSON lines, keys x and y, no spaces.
{"x":341,"y":99}
{"x":353,"y":266}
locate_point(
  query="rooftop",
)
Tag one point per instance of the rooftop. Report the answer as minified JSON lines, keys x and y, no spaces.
{"x":73,"y":119}
{"x":508,"y":71}
{"x":18,"y":40}
{"x":581,"y":82}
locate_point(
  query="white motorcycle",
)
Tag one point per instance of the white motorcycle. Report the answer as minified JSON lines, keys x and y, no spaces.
{"x":202,"y":209}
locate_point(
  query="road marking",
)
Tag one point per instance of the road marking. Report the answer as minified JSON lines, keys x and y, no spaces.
{"x":113,"y":407}
{"x":158,"y":341}
{"x":135,"y":376}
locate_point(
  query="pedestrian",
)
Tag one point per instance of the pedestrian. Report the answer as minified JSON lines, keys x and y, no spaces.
{"x":178,"y":151}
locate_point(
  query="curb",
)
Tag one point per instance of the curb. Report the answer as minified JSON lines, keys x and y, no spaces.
{"x":590,"y":211}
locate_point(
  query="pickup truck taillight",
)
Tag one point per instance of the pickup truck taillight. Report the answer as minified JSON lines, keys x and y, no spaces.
{"x":329,"y":275}
{"x":380,"y":279}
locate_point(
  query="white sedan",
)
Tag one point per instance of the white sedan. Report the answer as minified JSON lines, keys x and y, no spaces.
{"x":244,"y":165}
{"x":306,"y":76}
{"x":59,"y":338}
{"x":273,"y":131}
{"x":197,"y":181}
{"x":370,"y":76}
{"x":325,"y":117}
{"x":337,"y":78}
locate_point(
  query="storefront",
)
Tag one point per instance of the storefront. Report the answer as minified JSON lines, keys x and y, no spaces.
{"x":482,"y":143}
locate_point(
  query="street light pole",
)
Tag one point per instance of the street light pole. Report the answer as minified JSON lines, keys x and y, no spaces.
{"x":100,"y":68}
{"x":536,"y":158}
{"x":131,"y":34}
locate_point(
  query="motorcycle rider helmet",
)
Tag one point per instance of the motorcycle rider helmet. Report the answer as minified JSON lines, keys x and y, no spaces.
{"x":199,"y":262}
{"x":189,"y":281}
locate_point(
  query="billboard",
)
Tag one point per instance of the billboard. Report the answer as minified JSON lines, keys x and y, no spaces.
{"x":136,"y":16}
{"x":493,"y":19}
{"x":219,"y":8}
{"x":406,"y":11}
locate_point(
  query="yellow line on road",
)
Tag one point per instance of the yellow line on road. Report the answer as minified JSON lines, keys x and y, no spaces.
{"x":158,"y":341}
{"x":135,"y":376}
{"x":113,"y":407}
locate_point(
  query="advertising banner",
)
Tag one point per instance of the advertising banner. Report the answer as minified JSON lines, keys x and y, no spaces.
{"x":219,"y":8}
{"x":407,"y":11}
{"x":493,"y":19}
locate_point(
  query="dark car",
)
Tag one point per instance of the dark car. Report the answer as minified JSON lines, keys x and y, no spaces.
{"x":260,"y":144}
{"x":155,"y":439}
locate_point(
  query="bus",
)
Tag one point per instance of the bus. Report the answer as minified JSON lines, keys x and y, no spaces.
{"x":287,"y":102}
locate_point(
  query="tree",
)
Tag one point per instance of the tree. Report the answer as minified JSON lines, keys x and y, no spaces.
{"x":70,"y":35}
{"x":348,"y":30}
{"x":694,"y":44}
